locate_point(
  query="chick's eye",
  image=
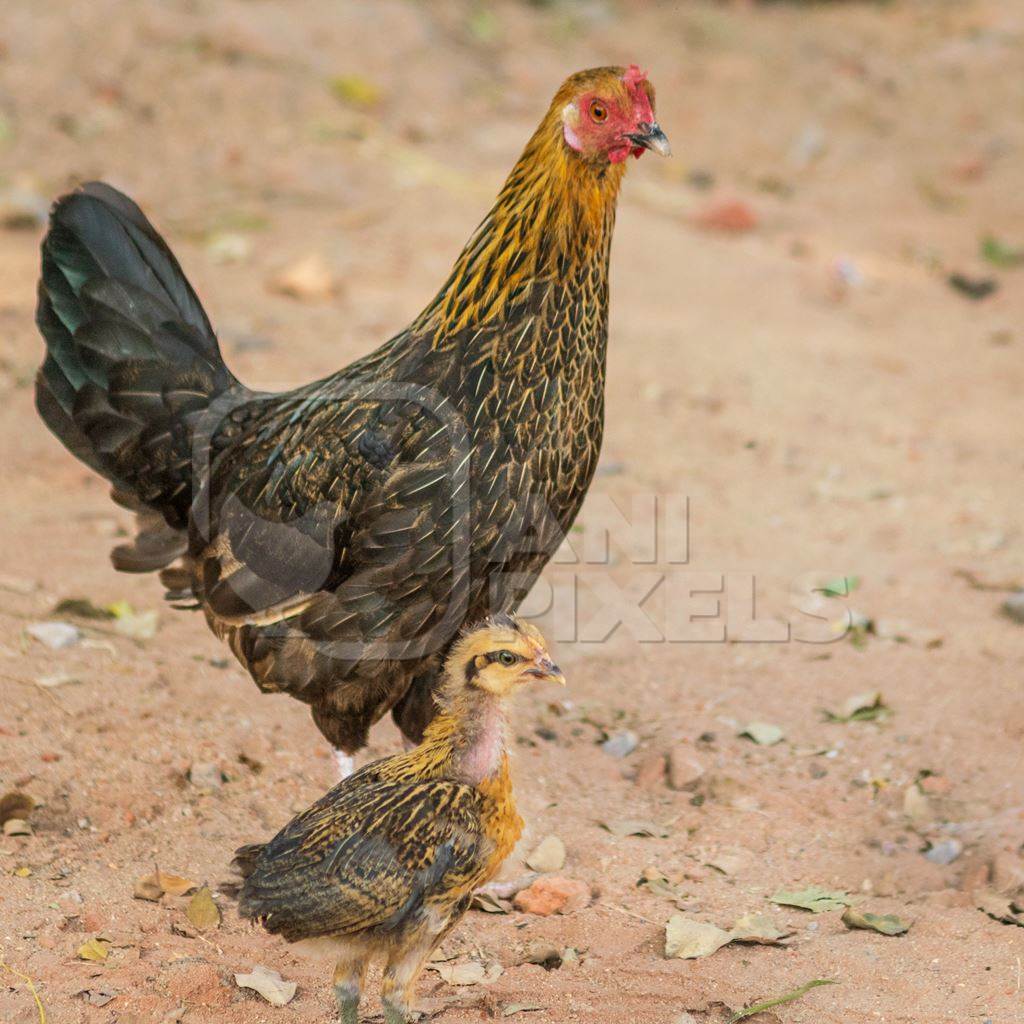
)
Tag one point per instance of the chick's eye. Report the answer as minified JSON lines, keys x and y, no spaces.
{"x":598,"y":111}
{"x":507,"y":658}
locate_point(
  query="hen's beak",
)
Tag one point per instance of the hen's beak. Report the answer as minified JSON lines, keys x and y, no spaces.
{"x":545,"y":668}
{"x":651,"y":137}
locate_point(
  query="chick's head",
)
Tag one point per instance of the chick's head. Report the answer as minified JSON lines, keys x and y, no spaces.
{"x":502,"y":655}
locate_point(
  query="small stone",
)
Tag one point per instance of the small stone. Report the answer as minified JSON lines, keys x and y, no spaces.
{"x":1013,"y":607}
{"x":553,"y":895}
{"x":206,"y":775}
{"x":650,"y":772}
{"x":548,"y":856}
{"x":309,"y":280}
{"x":684,"y":770}
{"x":945,"y":851}
{"x":731,"y":215}
{"x":936,"y":785}
{"x":55,"y":635}
{"x":976,"y":873}
{"x":916,"y":805}
{"x":542,"y":952}
{"x":621,"y":744}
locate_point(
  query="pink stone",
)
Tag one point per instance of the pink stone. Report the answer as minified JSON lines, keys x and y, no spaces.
{"x":553,"y":895}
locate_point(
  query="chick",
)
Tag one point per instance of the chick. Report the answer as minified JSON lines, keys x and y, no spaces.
{"x":386,"y":863}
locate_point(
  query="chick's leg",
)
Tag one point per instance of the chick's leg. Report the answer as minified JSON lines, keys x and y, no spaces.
{"x":348,"y":984}
{"x":404,"y":966}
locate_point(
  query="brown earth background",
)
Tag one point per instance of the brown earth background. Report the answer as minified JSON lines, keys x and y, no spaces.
{"x":786,"y":351}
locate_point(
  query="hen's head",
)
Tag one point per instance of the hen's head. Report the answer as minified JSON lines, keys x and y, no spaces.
{"x":607,"y":114}
{"x":500,"y":656}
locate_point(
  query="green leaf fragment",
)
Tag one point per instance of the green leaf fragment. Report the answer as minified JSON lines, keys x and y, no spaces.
{"x":884,"y":924}
{"x":814,"y":898}
{"x":789,"y":997}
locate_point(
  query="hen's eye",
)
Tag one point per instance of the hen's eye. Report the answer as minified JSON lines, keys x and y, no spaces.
{"x":598,"y":111}
{"x":507,"y":658}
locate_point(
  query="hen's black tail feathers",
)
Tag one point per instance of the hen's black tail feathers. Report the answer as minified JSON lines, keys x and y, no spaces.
{"x":131,"y":359}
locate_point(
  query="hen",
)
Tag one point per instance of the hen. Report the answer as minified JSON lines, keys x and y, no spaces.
{"x":386,"y":862}
{"x":338,"y":536}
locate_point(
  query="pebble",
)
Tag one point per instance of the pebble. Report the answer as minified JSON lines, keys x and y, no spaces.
{"x":553,"y":895}
{"x":621,"y":744}
{"x":730,"y":215}
{"x":684,"y":770}
{"x":650,"y":772}
{"x":548,"y":856}
{"x":55,"y":635}
{"x":1013,"y":607}
{"x":309,"y":280}
{"x":205,"y":775}
{"x":945,"y":851}
{"x":543,"y":952}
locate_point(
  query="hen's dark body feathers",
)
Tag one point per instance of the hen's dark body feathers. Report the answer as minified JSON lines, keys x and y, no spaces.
{"x":337,"y":536}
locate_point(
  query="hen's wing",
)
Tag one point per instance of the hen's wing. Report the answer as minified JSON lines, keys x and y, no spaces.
{"x":337,"y":527}
{"x":366,"y":856}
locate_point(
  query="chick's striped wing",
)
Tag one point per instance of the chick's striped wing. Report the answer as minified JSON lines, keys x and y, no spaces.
{"x":366,"y":857}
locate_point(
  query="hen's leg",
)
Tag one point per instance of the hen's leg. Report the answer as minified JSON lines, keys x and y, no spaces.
{"x":346,"y":764}
{"x":348,"y":985}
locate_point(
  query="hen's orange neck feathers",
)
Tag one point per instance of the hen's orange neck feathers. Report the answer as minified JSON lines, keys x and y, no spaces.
{"x":553,"y":216}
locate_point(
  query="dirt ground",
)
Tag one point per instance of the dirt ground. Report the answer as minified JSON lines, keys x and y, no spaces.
{"x":828,"y":402}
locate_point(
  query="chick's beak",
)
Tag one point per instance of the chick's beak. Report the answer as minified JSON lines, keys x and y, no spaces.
{"x":544,"y":668}
{"x":651,"y":137}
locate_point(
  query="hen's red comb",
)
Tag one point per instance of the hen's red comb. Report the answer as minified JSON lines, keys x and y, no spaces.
{"x":634,"y":76}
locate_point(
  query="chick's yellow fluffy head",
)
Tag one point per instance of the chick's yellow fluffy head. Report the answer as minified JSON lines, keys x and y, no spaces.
{"x":500,"y":656}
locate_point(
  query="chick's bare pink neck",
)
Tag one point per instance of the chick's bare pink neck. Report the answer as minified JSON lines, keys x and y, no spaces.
{"x":480,"y":749}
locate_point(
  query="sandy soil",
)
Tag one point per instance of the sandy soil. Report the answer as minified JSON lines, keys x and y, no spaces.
{"x":828,"y":403}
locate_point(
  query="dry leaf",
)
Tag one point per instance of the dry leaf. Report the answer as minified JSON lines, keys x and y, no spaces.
{"x":94,"y":949}
{"x":175,"y":885}
{"x":54,"y":679}
{"x":355,"y":90}
{"x":96,"y":996}
{"x":656,"y":882}
{"x":548,"y":856}
{"x":83,"y":607}
{"x":55,"y":635}
{"x":489,"y":904}
{"x":146,"y":888}
{"x":814,"y":898}
{"x":468,"y":972}
{"x":864,"y":707}
{"x":885,"y":924}
{"x":202,"y":912}
{"x":635,"y":827}
{"x":758,"y":928}
{"x":764,"y":734}
{"x":1000,"y":908}
{"x":152,"y":887}
{"x":268,"y":984}
{"x":130,"y":623}
{"x":686,"y":939}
